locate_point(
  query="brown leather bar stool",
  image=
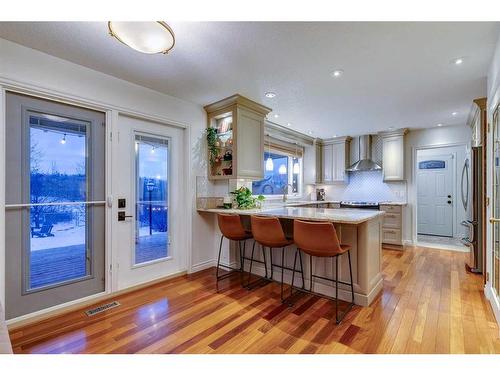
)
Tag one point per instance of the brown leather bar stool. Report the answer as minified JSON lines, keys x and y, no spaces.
{"x":267,"y":231}
{"x":319,"y":239}
{"x":232,"y":229}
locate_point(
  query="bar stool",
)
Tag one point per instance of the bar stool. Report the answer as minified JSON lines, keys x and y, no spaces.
{"x":232,"y":229}
{"x":267,"y":231}
{"x":319,"y":239}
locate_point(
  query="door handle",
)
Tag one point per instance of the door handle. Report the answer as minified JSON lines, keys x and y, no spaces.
{"x":122,"y":216}
{"x":494,"y":220}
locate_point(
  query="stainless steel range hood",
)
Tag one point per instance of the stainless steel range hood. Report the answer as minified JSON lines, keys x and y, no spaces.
{"x":364,"y":163}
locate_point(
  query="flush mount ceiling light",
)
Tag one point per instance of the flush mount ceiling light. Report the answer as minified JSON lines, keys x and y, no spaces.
{"x":146,"y":37}
{"x":439,"y":125}
{"x":458,"y":61}
{"x":337,"y":73}
{"x":270,"y":94}
{"x":454,"y":113}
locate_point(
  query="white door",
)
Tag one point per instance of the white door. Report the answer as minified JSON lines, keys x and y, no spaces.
{"x":435,"y":195}
{"x":150,"y":242}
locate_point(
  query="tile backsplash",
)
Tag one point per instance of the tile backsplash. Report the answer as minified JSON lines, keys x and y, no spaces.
{"x":367,"y":186}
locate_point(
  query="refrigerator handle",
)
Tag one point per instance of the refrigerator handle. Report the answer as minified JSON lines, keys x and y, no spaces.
{"x":465,"y":173}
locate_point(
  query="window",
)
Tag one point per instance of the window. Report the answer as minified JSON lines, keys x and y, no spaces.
{"x":152,"y":199}
{"x":284,"y":173}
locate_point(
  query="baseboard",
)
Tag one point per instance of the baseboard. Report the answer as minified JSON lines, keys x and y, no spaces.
{"x":202,"y":266}
{"x":67,"y":307}
{"x":494,"y":302}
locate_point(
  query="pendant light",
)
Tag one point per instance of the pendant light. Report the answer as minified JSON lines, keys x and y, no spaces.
{"x":296,"y":166}
{"x":269,"y":161}
{"x":146,"y":37}
{"x":282,"y":169}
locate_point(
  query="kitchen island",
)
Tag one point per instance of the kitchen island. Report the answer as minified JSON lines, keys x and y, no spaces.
{"x":359,"y":228}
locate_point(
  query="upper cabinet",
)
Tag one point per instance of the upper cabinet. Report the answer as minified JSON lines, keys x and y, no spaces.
{"x":235,"y":138}
{"x":477,"y":117}
{"x":333,"y":159}
{"x":393,"y":155}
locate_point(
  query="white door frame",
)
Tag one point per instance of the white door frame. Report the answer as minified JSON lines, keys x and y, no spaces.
{"x":112,"y":112}
{"x":413,"y":196}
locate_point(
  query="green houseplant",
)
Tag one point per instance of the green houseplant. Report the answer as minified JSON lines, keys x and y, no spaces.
{"x":212,"y":144}
{"x":245,"y":200}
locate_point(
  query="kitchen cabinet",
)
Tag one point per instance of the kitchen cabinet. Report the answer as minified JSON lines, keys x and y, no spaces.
{"x":333,"y":160}
{"x":236,"y":148}
{"x":393,"y":150}
{"x":392,"y":225}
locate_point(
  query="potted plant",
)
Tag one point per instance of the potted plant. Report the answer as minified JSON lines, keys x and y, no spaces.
{"x":245,"y":200}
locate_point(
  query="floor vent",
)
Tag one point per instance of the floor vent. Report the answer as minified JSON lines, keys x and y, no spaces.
{"x":100,"y":309}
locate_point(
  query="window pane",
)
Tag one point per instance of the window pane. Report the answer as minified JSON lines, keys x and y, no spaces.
{"x":57,"y":160}
{"x":58,"y":234}
{"x":276,"y":180}
{"x":58,"y":245}
{"x":152,"y":200}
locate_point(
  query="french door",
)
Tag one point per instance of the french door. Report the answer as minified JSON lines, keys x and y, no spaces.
{"x":55,"y":212}
{"x":495,"y":209}
{"x":149,"y":193}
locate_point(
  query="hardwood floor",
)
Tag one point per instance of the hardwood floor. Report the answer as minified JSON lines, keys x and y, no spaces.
{"x":429,"y":305}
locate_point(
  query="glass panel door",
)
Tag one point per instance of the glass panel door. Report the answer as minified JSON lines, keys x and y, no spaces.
{"x":496,"y":205}
{"x":55,"y":203}
{"x":151,"y":234}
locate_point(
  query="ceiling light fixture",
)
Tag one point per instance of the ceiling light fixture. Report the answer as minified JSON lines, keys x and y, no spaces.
{"x":454,"y":113}
{"x":270,"y":94}
{"x":296,"y":166}
{"x":146,"y":37}
{"x":269,"y":161}
{"x":309,"y":132}
{"x":458,"y":61}
{"x":63,"y":140}
{"x":276,"y":115}
{"x":337,"y":73}
{"x":282,"y":169}
{"x":288,"y":124}
{"x":439,"y":125}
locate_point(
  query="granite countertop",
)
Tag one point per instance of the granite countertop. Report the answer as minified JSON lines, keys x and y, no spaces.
{"x":392,"y":203}
{"x":335,"y":215}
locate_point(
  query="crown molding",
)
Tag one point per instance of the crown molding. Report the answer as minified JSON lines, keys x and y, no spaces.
{"x":237,"y":100}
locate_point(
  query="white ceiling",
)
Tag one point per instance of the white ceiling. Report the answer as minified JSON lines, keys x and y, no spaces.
{"x":395,"y":74}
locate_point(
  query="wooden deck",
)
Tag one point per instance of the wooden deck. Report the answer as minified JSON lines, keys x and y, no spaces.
{"x":429,"y":304}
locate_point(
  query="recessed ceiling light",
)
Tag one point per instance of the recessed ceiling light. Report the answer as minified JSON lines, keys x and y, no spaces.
{"x":439,"y":124}
{"x":454,"y":113}
{"x":288,"y":124}
{"x":146,"y":37}
{"x":337,"y":73}
{"x":335,"y":136}
{"x":458,"y":61}
{"x":309,"y":132}
{"x":270,"y":94}
{"x":276,"y":115}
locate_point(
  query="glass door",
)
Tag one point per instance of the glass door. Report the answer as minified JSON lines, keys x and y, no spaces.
{"x":495,"y":220}
{"x":55,"y":204}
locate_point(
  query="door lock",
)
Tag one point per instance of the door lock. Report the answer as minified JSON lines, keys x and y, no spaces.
{"x":122,"y":216}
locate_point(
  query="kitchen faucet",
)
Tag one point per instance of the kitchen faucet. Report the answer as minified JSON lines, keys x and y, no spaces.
{"x":285,"y":191}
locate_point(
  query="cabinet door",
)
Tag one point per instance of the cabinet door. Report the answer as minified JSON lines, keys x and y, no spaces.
{"x":250,"y":145}
{"x":339,"y":158}
{"x":393,"y":158}
{"x":327,"y":155}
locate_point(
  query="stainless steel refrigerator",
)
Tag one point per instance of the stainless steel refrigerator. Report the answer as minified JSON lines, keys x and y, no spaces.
{"x":471,"y":194}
